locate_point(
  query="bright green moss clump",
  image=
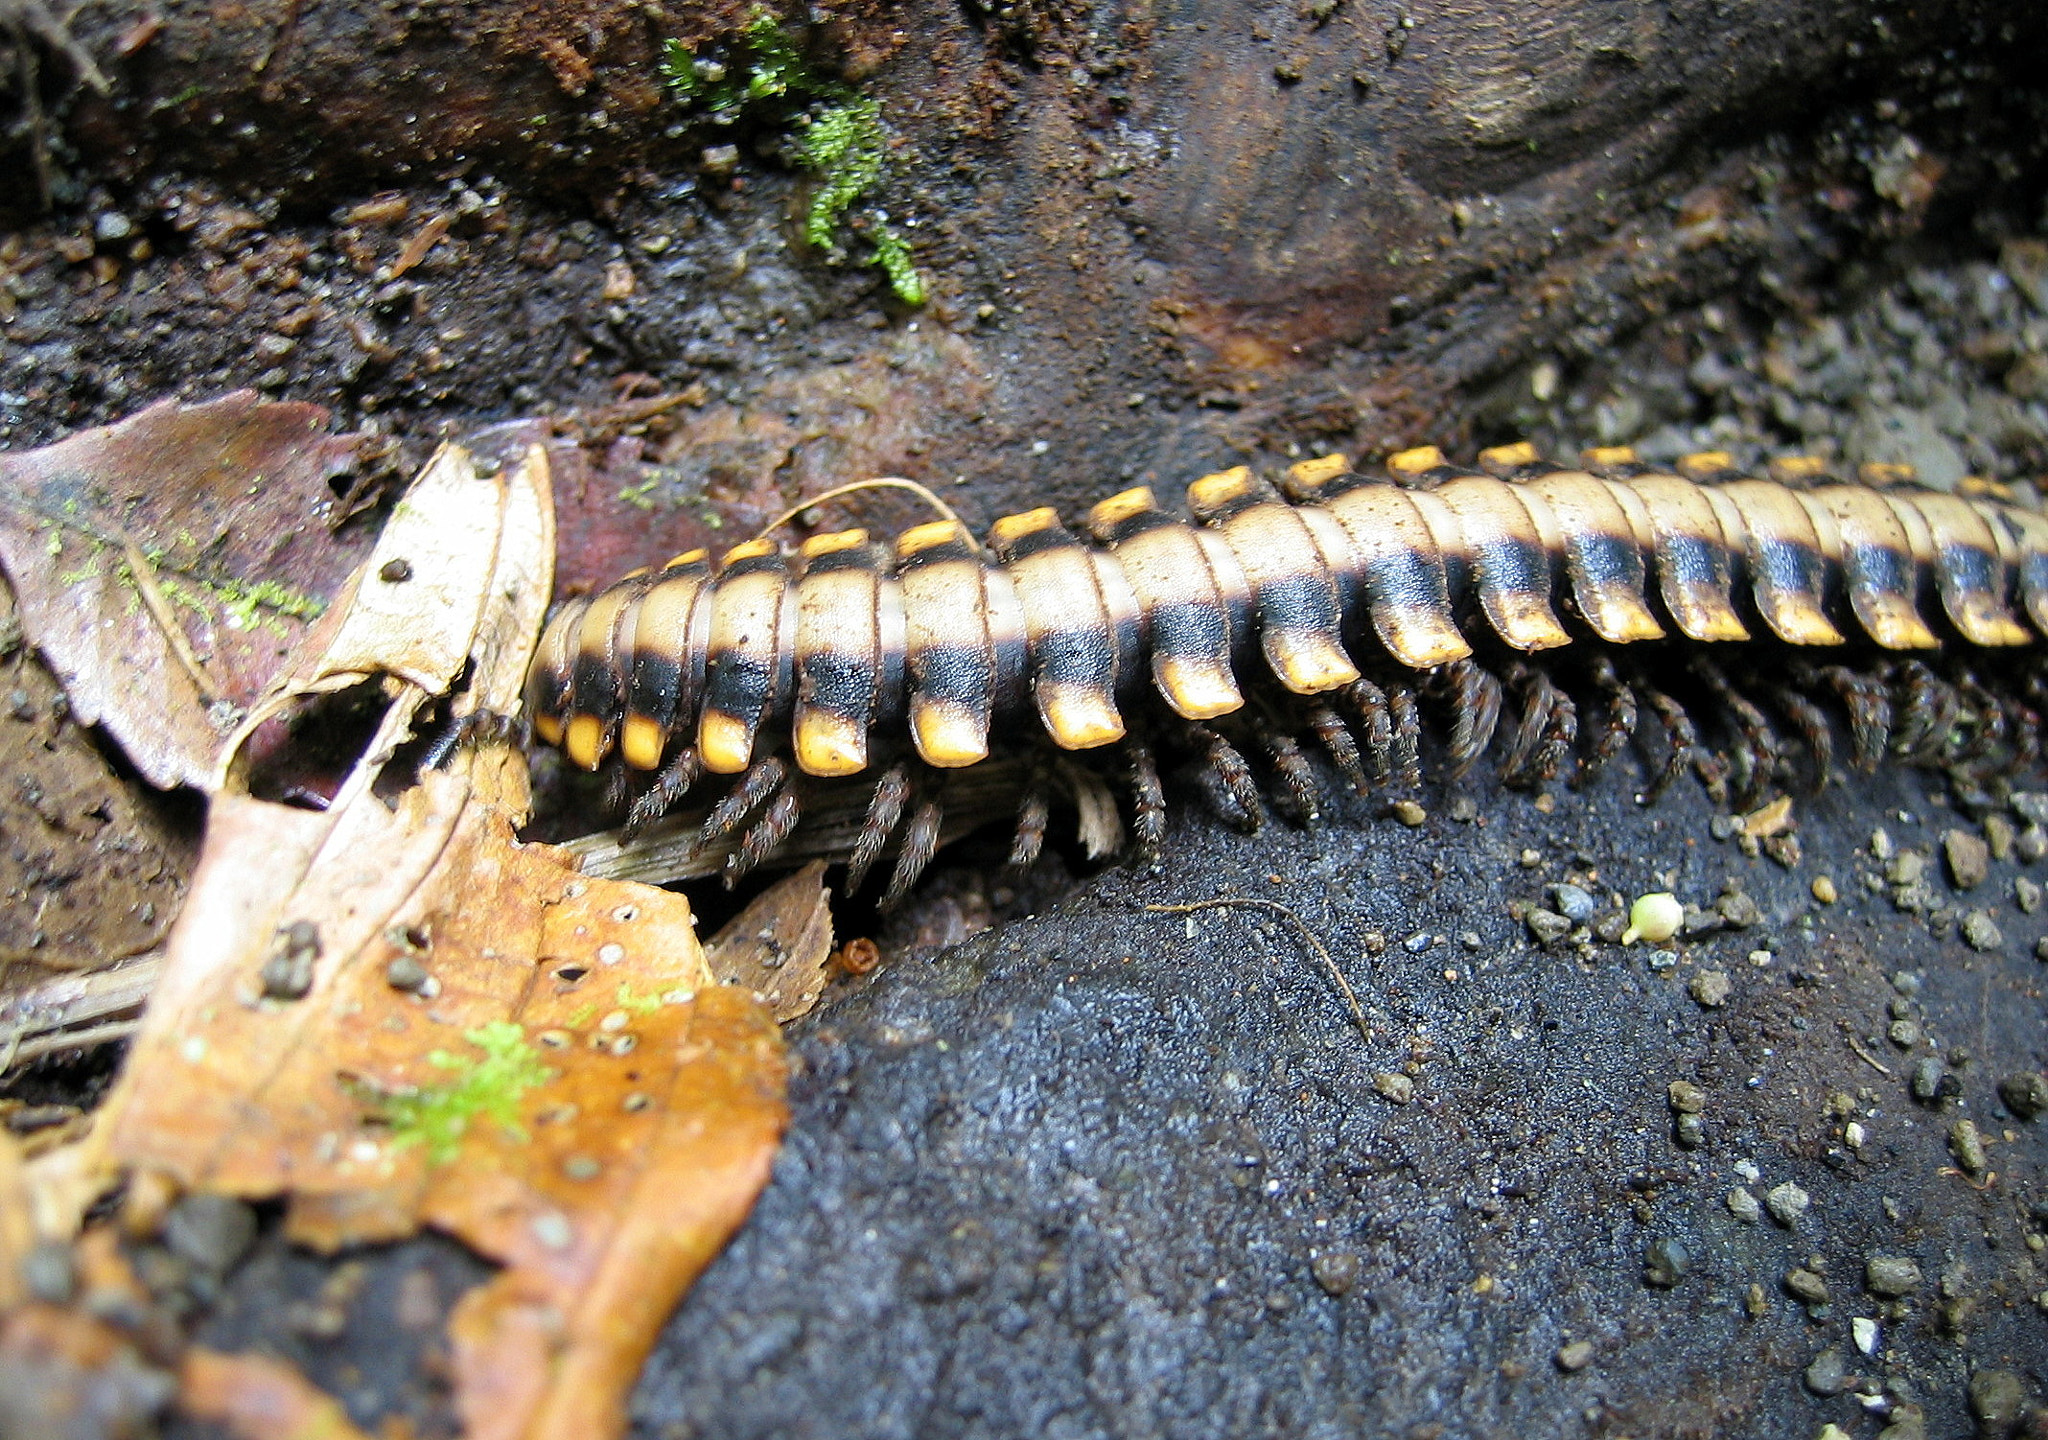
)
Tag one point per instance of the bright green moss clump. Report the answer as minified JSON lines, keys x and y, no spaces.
{"x":840,"y":139}
{"x":493,"y":1084}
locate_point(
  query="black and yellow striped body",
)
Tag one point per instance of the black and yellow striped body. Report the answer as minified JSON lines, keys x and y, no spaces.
{"x":849,"y":653}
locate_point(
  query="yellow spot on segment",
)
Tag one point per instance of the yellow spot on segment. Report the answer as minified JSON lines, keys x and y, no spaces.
{"x":1012,"y":528}
{"x":1196,"y":690}
{"x":1705,"y":464}
{"x":752,"y":550}
{"x":641,"y":741}
{"x":1121,"y":507}
{"x":1307,"y":664}
{"x":1078,"y":718}
{"x":688,"y":557}
{"x":1419,"y":461}
{"x":1509,"y":457}
{"x":1316,"y":473}
{"x":1792,"y":469}
{"x":947,"y":736}
{"x":1897,"y":627}
{"x":548,"y":728}
{"x":724,"y":744}
{"x":829,"y":744}
{"x":635,"y":574}
{"x":1602,"y":456}
{"x":1881,"y":476}
{"x":584,"y":742}
{"x":1980,"y":487}
{"x":920,"y":538}
{"x":830,"y":544}
{"x":1212,"y":491}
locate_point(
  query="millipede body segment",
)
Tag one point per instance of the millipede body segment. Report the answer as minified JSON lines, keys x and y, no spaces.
{"x":1274,"y":610}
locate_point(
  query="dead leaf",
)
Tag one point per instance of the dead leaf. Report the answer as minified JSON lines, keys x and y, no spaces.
{"x":254,"y":1397}
{"x":533,"y":1061}
{"x":777,"y":947}
{"x":166,"y":566}
{"x":1772,"y":819}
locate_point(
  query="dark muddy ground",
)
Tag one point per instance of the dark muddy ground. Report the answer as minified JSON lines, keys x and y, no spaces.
{"x":1103,"y":1172}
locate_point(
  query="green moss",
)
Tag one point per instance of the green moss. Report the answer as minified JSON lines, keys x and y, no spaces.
{"x":492,"y":1084}
{"x":634,"y":1004}
{"x":639,"y":496}
{"x":763,"y":78}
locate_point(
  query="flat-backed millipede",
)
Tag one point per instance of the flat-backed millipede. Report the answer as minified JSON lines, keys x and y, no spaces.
{"x":1359,"y":595}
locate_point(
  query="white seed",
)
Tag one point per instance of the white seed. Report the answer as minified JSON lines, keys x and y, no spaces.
{"x":1654,"y":918}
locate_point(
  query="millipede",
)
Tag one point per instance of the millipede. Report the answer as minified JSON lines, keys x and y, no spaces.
{"x":1319,"y":602}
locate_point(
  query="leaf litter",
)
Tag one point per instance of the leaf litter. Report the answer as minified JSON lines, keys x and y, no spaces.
{"x":469,"y":1037}
{"x":166,"y":566}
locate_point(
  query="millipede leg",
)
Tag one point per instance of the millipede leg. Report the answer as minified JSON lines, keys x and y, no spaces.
{"x":1294,"y":771}
{"x":1536,"y":691}
{"x":1237,"y":790}
{"x":1812,"y":724}
{"x":1920,"y":712}
{"x":1407,"y":721}
{"x":1560,"y":738}
{"x":1989,"y":733}
{"x":1337,"y":739}
{"x":764,"y":837}
{"x":1032,"y":816}
{"x":920,"y":843}
{"x":1685,"y":747}
{"x":885,"y":808}
{"x":1369,"y":703}
{"x":1148,"y":804}
{"x":755,"y":788}
{"x":1870,"y":713}
{"x":669,"y":786}
{"x":1756,"y":746}
{"x":1617,"y":723}
{"x":618,"y":782}
{"x":1475,"y":701}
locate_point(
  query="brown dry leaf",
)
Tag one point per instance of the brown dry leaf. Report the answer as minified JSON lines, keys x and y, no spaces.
{"x":777,"y":947}
{"x":167,"y":565}
{"x":555,"y":1080}
{"x":254,"y":1397}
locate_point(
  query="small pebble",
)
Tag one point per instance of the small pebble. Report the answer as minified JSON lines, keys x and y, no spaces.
{"x":2026,"y":894}
{"x":1575,"y":1356}
{"x":1909,"y":1422}
{"x":1743,"y":1206}
{"x":2025,"y":1093}
{"x":1890,"y":1275}
{"x":1530,"y":859}
{"x":287,"y":972}
{"x":1787,"y":1202}
{"x":1980,"y":931}
{"x":1685,"y":1097}
{"x":1394,"y":1086}
{"x":1996,"y":1399}
{"x":1905,"y":868}
{"x":1969,"y":858}
{"x":1665,"y":1263}
{"x":1999,"y":836}
{"x":1880,"y":844}
{"x":1409,"y":813}
{"x":1864,"y":1331}
{"x":1464,"y":810}
{"x":1548,"y":926}
{"x":1967,"y":1145}
{"x":1755,"y":1304}
{"x":1654,"y":918}
{"x":1738,"y":911}
{"x":1930,"y":1081}
{"x":1824,"y":890}
{"x":2032,"y":845}
{"x":1574,"y":903}
{"x":2041,"y":948}
{"x":48,"y":1274}
{"x":406,"y":973}
{"x":209,"y":1230}
{"x":1805,"y":1286}
{"x":1690,"y":1131}
{"x":1904,"y":1033}
{"x":1662,"y":960}
{"x":1828,"y":1374}
{"x":1711,"y":988}
{"x":1336,"y":1271}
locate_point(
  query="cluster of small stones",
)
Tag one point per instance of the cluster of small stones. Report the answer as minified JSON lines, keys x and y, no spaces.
{"x":1883,"y":1290}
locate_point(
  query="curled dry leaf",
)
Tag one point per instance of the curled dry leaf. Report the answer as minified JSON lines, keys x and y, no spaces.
{"x":392,"y":1014}
{"x":778,"y":946}
{"x":166,"y":566}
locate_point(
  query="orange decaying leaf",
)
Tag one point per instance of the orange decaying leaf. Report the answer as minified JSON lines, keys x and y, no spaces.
{"x":572,"y":1095}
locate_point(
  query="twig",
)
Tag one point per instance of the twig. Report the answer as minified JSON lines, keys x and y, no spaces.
{"x":1866,"y":1057}
{"x":884,"y":482}
{"x":1308,"y":938}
